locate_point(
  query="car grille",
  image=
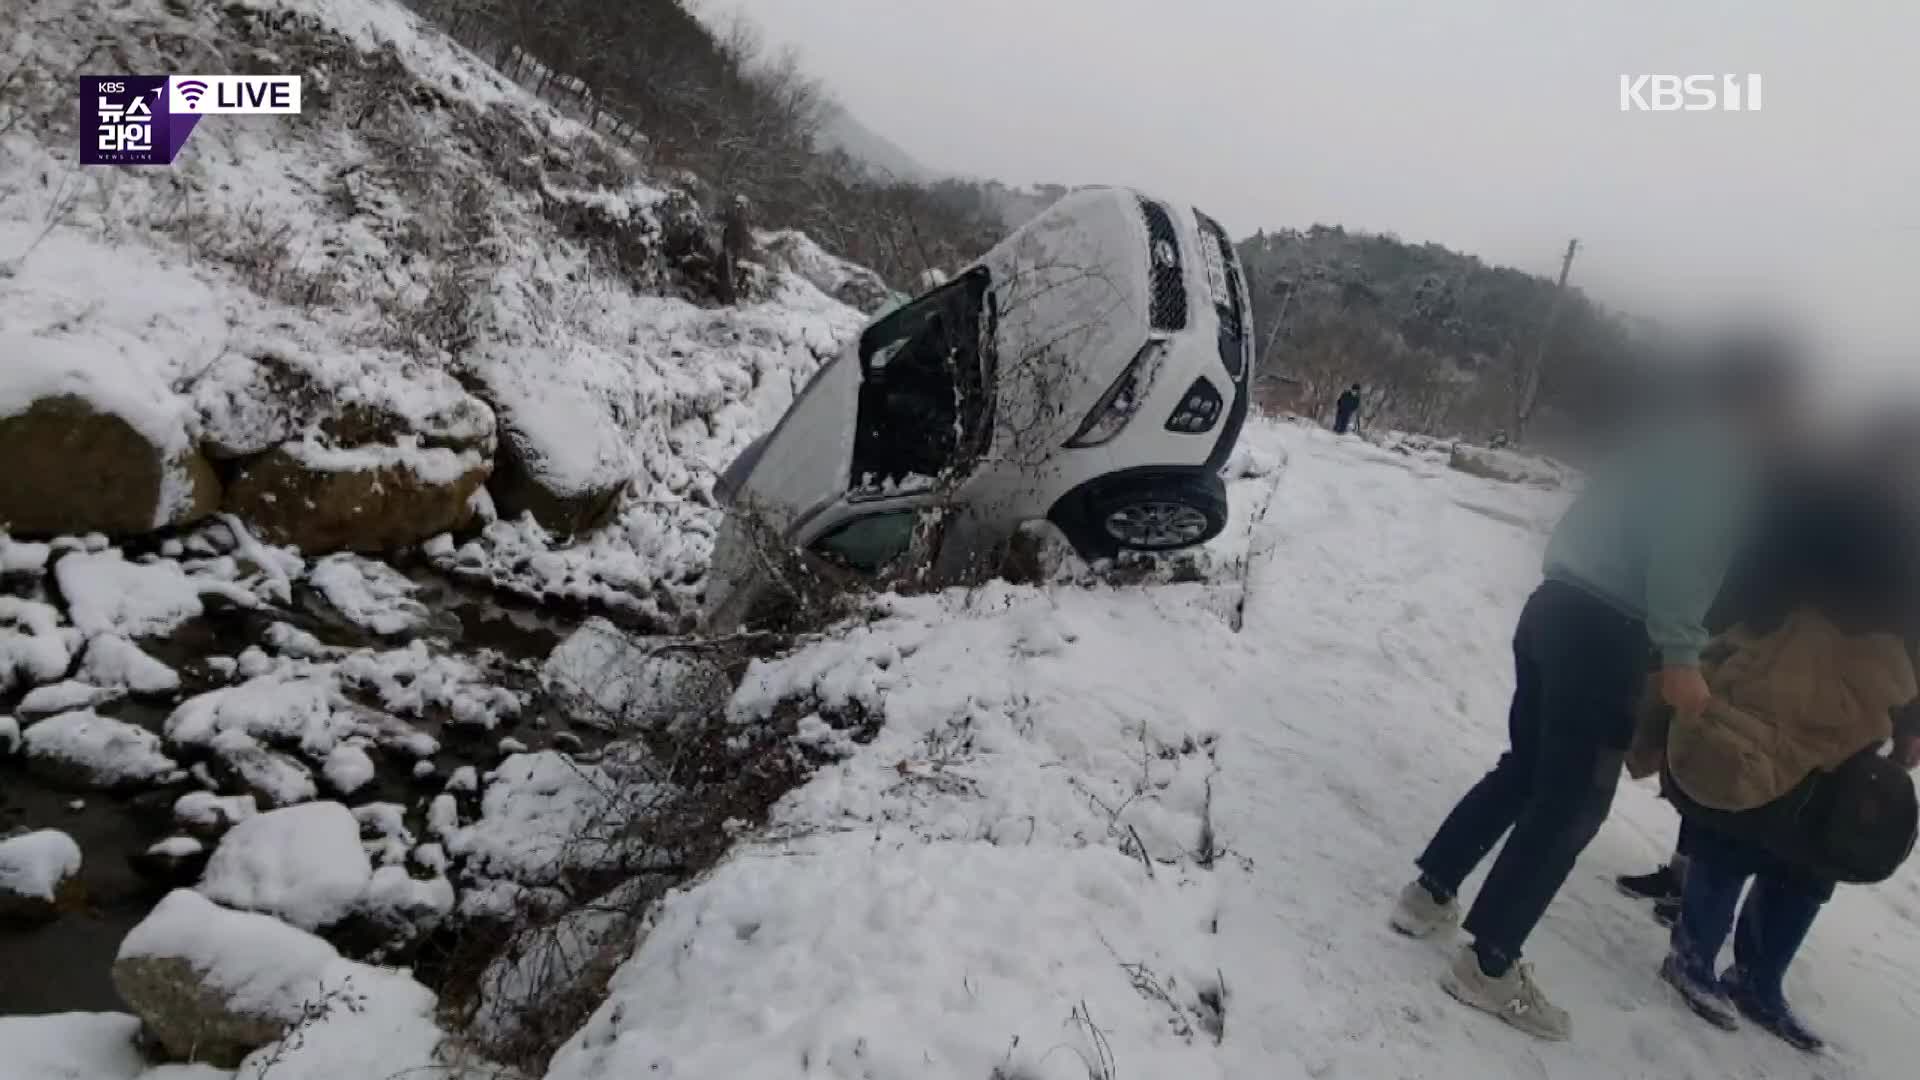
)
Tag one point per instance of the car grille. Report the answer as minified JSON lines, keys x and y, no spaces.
{"x":1169,"y":300}
{"x":1233,"y":343}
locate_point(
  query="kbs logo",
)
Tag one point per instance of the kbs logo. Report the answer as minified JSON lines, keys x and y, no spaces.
{"x":1689,"y":93}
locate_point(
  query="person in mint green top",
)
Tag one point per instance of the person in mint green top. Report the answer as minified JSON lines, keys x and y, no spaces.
{"x":1630,"y":574}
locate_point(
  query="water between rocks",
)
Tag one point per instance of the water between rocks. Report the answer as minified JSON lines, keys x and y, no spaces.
{"x":66,"y":965}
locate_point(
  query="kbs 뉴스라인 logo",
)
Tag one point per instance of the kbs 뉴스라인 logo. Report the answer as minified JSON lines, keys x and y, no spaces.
{"x":145,"y":119}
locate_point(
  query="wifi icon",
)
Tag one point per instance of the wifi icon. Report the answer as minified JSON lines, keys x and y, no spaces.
{"x":192,"y":90}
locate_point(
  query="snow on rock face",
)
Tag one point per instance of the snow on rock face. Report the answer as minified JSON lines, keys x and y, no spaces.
{"x":273,"y":777}
{"x":348,"y":769}
{"x":371,"y":595}
{"x":217,"y":984}
{"x":66,"y":697}
{"x":113,"y":661}
{"x":414,"y":679}
{"x":106,"y":594}
{"x":33,"y":868}
{"x":209,"y":814}
{"x":21,"y":557}
{"x":285,"y":706}
{"x":83,"y":1046}
{"x":303,"y":864}
{"x":95,"y":441}
{"x":84,"y":749}
{"x":9,"y":735}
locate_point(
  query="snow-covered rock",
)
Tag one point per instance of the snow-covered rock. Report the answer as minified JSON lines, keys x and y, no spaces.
{"x":272,"y":776}
{"x":107,"y":594}
{"x":93,"y":443}
{"x":371,"y":595}
{"x":35,"y":868}
{"x":303,"y":864}
{"x":84,"y":1046}
{"x":209,"y":814}
{"x":55,"y":698}
{"x":287,"y":706}
{"x":85,"y":749}
{"x":114,"y":662}
{"x":34,"y":648}
{"x":214,"y":984}
{"x":367,"y":499}
{"x":9,"y":736}
{"x":175,"y":861}
{"x":348,"y":768}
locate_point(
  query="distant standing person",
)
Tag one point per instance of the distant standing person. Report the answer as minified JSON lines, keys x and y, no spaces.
{"x":1630,"y":572}
{"x":1344,"y":409}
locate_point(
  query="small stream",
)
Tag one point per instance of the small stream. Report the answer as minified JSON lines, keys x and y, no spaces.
{"x":66,"y":964}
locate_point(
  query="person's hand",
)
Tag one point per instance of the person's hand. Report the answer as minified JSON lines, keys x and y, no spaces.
{"x":1685,"y":689}
{"x":1906,"y":752}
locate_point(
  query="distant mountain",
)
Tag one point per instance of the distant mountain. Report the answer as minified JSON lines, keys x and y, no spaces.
{"x":1437,"y":338}
{"x":843,"y":131}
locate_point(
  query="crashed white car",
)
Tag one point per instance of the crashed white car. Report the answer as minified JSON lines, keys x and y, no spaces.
{"x":1091,"y":370}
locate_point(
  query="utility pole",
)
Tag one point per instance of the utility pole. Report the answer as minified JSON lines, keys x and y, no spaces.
{"x":1279,"y":320}
{"x":1530,"y":386}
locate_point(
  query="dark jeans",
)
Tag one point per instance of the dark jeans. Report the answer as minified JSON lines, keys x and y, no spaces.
{"x":1578,"y":665}
{"x":1774,"y":921}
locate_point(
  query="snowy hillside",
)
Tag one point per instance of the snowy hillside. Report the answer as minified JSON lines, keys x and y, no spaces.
{"x":344,"y":326}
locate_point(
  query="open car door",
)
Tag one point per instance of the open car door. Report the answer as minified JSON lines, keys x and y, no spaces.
{"x":926,"y":391}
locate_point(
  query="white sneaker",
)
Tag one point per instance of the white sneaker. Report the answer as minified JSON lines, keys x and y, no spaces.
{"x":1514,"y":997}
{"x":1419,"y":915}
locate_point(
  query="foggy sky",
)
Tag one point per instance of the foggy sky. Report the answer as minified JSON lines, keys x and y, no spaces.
{"x":1491,"y":126}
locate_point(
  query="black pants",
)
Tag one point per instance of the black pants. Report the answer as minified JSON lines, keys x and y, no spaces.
{"x":1579,"y":664}
{"x":1341,"y":422}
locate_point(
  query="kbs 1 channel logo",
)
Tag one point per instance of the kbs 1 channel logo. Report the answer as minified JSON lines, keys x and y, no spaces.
{"x":145,"y":119}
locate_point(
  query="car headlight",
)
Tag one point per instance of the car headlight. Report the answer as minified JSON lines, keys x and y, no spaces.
{"x":1116,"y":407}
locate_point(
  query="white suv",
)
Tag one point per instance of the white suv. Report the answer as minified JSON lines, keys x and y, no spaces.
{"x":1092,"y":370}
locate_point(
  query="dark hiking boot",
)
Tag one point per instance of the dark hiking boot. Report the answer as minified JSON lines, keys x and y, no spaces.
{"x":1773,"y":1016}
{"x":1666,"y":912}
{"x":1662,"y":884}
{"x":1704,"y":996}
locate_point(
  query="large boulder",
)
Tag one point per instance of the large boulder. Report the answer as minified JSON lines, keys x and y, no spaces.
{"x":523,"y":485}
{"x":74,"y":468}
{"x":213,"y":985}
{"x":370,"y":499}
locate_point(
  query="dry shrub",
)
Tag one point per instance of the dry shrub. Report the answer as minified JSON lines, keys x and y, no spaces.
{"x":681,"y":786}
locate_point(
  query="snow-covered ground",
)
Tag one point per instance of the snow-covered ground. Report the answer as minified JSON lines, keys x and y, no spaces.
{"x":966,"y":894}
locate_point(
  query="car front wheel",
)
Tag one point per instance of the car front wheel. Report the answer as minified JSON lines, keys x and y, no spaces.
{"x":1159,"y":515}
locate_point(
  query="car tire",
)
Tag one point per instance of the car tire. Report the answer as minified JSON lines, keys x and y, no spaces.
{"x":1159,"y":514}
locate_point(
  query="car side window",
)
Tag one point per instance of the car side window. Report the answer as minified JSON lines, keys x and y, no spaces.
{"x":870,"y":544}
